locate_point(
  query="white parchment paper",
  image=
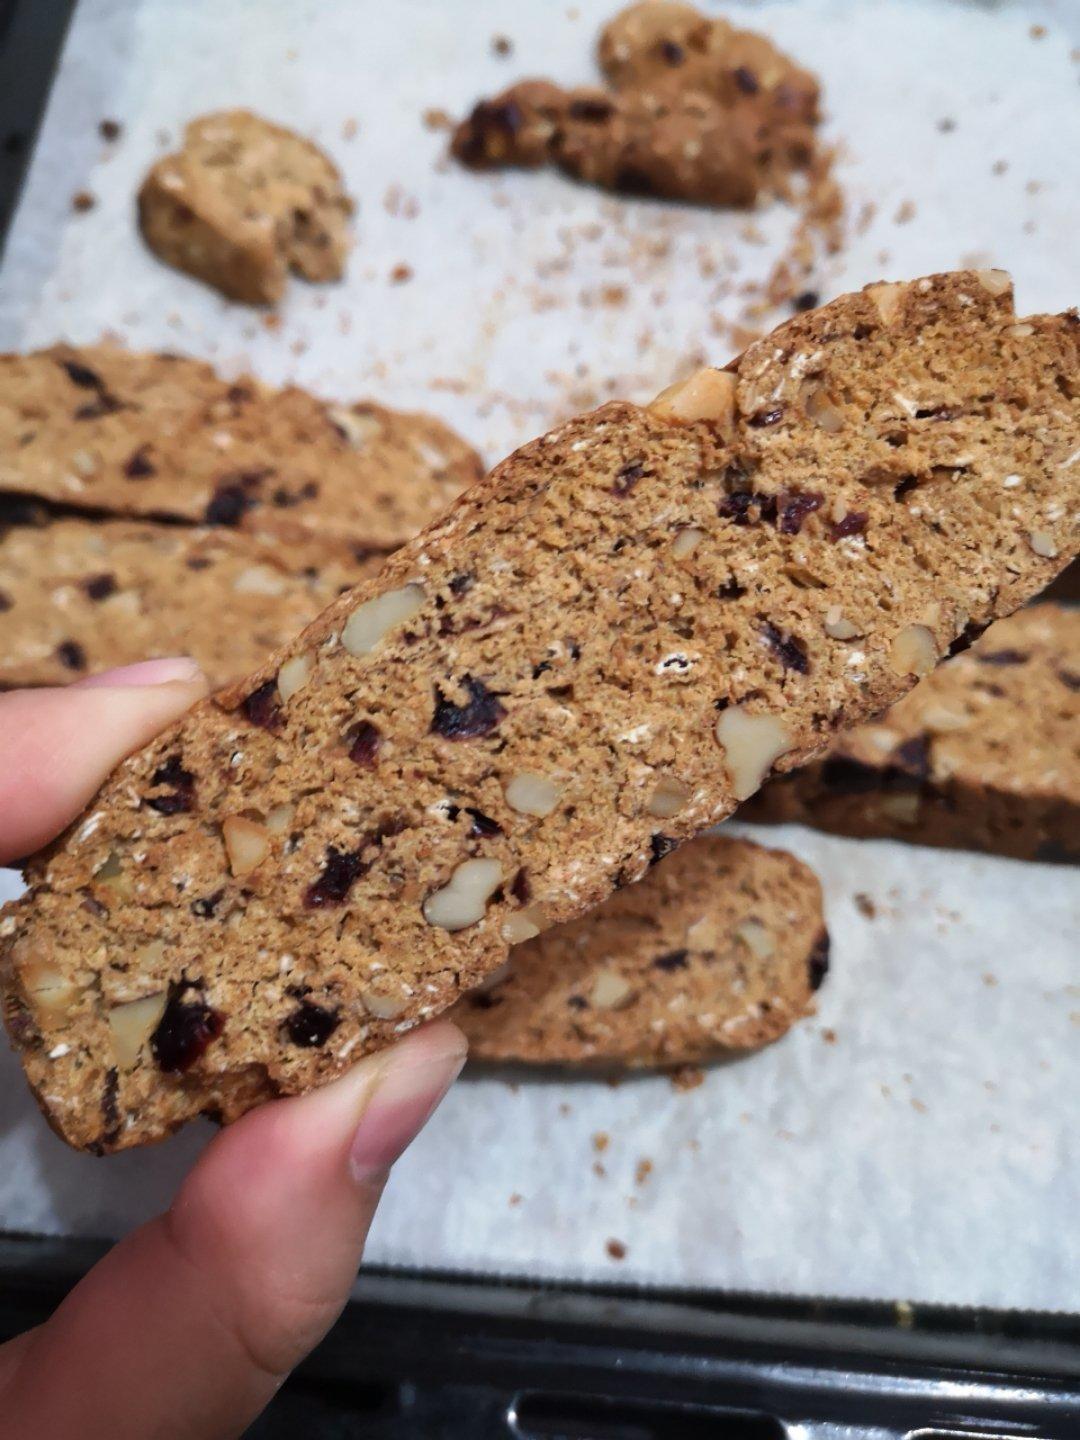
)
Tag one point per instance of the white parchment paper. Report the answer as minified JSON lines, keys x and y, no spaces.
{"x":918,"y":1138}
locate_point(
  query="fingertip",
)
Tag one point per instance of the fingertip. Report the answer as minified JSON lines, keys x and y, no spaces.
{"x":169,"y":670}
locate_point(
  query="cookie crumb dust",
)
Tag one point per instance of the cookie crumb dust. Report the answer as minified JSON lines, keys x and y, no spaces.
{"x":502,"y":45}
{"x":82,"y":201}
{"x":110,"y":130}
{"x":616,"y":1249}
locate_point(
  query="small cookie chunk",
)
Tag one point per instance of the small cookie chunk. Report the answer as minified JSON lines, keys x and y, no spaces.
{"x":78,"y":595}
{"x":107,"y":430}
{"x":242,"y":203}
{"x":695,"y":111}
{"x":983,"y":755}
{"x":721,"y":947}
{"x":597,"y":653}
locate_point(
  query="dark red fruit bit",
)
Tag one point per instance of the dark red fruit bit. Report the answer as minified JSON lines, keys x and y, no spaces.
{"x":520,"y":889}
{"x":912,"y":758}
{"x":482,"y":825}
{"x":71,"y":655}
{"x":364,"y":740}
{"x":659,"y":846}
{"x":100,"y":587}
{"x":853,"y":523}
{"x":261,"y":707}
{"x":746,"y":80}
{"x":181,"y":796}
{"x":788,"y":648}
{"x":310,"y":1024}
{"x":808,"y":300}
{"x":594,"y":110}
{"x":627,"y":478}
{"x":110,"y":1111}
{"x":185,"y":1030}
{"x":139,"y":464}
{"x":480,"y":715}
{"x":205,"y":907}
{"x":745,"y":507}
{"x":673,"y":960}
{"x":460,"y":583}
{"x":673,"y":54}
{"x":342,"y":868}
{"x":6,"y":601}
{"x":967,"y":637}
{"x":817,"y":962}
{"x":793,"y":508}
{"x":228,"y":505}
{"x":767,"y":417}
{"x":1003,"y":657}
{"x":82,"y":375}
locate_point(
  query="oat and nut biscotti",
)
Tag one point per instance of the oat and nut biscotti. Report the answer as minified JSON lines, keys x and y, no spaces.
{"x":140,"y":435}
{"x":242,"y":203}
{"x":720,"y":948}
{"x":983,"y":755}
{"x":596,"y":654}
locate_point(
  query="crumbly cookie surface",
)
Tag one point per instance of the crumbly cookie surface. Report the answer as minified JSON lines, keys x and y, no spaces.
{"x":719,"y":948}
{"x":104,"y":429}
{"x":693,"y":110}
{"x":596,"y":654}
{"x":984,"y":754}
{"x":243,"y":203}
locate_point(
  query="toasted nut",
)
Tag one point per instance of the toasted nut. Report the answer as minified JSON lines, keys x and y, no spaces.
{"x":610,"y":991}
{"x":707,"y":395}
{"x":280,"y":818}
{"x":518,"y":927}
{"x":994,"y":282}
{"x":49,"y":990}
{"x":110,"y":877}
{"x":903,"y":808}
{"x":383,"y":1007}
{"x":756,"y":938}
{"x":1020,"y":332}
{"x":668,"y":797}
{"x":532,"y":794}
{"x":370,"y":622}
{"x":838,"y":626}
{"x":357,"y":426}
{"x":149,"y":957}
{"x":751,"y":744}
{"x":294,"y":675}
{"x":463,"y":901}
{"x":132,"y":1024}
{"x":259,"y":580}
{"x":913,"y":651}
{"x":824,"y":411}
{"x":886,"y":300}
{"x":1042,"y":542}
{"x":686,"y":542}
{"x":247,"y":843}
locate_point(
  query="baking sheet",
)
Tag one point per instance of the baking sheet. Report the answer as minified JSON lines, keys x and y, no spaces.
{"x":915,"y":1140}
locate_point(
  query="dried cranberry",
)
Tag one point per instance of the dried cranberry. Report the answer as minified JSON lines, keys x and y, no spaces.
{"x":310,"y":1024}
{"x":342,"y":869}
{"x":110,"y":1111}
{"x":82,"y":375}
{"x":808,"y":300}
{"x":100,"y":587}
{"x":746,"y":507}
{"x":673,"y":960}
{"x":480,"y":715}
{"x":904,"y":486}
{"x":364,"y":740}
{"x":261,"y":707}
{"x":788,"y":648}
{"x":627,"y":478}
{"x":181,"y":796}
{"x":1003,"y":657}
{"x":659,"y":846}
{"x":817,"y":962}
{"x":673,"y":54}
{"x":912,"y":758}
{"x":458,"y":584}
{"x":239,"y":394}
{"x":520,"y":888}
{"x":594,"y":110}
{"x":967,"y":637}
{"x":482,"y":825}
{"x":853,"y":523}
{"x":229,"y":504}
{"x":792,"y":509}
{"x":577,"y":1002}
{"x":185,"y":1030}
{"x":71,"y":655}
{"x":746,"y":80}
{"x":767,"y":417}
{"x":139,"y":464}
{"x":730,"y":590}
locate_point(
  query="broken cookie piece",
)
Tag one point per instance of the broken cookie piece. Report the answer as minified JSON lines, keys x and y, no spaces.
{"x":694,"y":110}
{"x":720,"y":948}
{"x":243,"y":203}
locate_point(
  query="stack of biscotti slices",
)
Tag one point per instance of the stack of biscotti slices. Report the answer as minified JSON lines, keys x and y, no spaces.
{"x":596,"y":654}
{"x":176,"y":511}
{"x":983,"y":755}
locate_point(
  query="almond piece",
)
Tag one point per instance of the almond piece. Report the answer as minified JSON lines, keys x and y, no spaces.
{"x":668,"y":797}
{"x":686,"y":542}
{"x":824,"y":411}
{"x":756,"y":938}
{"x":532,"y":794}
{"x":132,"y":1024}
{"x":463,"y":900}
{"x":48,"y":989}
{"x":522,"y":925}
{"x":294,"y":675}
{"x":610,"y":991}
{"x":751,"y":744}
{"x":280,"y":818}
{"x":913,"y":651}
{"x":886,"y":300}
{"x":994,"y":282}
{"x":838,"y":626}
{"x":1042,"y":542}
{"x":247,"y":843}
{"x":370,"y":622}
{"x":383,"y":1007}
{"x":706,"y":395}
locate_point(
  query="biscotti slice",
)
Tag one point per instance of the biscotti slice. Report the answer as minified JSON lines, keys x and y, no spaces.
{"x":80,"y":595}
{"x":719,"y":949}
{"x":597,"y":653}
{"x":695,"y":111}
{"x":242,"y":203}
{"x":983,"y":755}
{"x":128,"y":434}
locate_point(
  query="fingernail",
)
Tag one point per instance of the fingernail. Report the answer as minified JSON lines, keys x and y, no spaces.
{"x":406,"y":1095}
{"x":146,"y":672}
